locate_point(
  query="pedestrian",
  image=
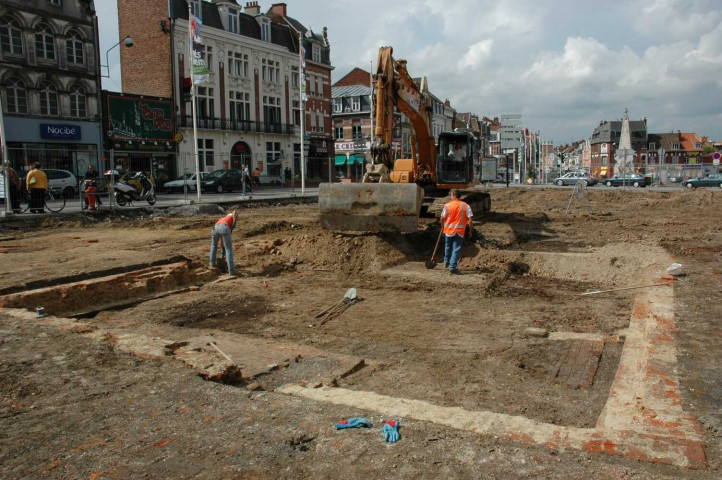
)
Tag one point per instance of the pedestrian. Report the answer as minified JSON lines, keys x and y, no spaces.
{"x":90,"y":173}
{"x":15,"y":185}
{"x":455,"y":218}
{"x":257,"y":176}
{"x":222,"y":230}
{"x":247,"y":182}
{"x":37,"y":183}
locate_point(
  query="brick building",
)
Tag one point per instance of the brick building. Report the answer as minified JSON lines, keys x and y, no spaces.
{"x":249,"y":112}
{"x":50,"y":80}
{"x":605,"y":142}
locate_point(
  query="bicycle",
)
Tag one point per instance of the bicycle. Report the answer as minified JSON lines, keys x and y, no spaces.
{"x":54,"y":202}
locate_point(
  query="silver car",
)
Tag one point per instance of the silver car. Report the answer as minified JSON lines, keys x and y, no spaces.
{"x":62,"y":181}
{"x":572,"y":178}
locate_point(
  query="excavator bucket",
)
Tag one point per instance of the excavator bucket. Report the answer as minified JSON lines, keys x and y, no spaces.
{"x":370,"y":207}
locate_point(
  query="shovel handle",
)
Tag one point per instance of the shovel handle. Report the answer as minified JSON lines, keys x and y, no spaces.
{"x":438,"y":240}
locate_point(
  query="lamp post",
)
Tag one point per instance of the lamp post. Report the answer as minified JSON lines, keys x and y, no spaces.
{"x":127,"y":41}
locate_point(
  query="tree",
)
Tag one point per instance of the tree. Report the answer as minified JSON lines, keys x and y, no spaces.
{"x":708,"y":149}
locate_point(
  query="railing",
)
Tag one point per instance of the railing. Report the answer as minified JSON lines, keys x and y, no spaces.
{"x":245,"y":126}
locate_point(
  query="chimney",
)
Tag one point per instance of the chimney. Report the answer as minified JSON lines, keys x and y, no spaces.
{"x":252,"y":9}
{"x":279,"y":9}
{"x":447,"y":102}
{"x":645,"y":121}
{"x":325,"y":36}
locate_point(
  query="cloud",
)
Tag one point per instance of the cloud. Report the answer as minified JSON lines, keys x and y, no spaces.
{"x":564,"y":64}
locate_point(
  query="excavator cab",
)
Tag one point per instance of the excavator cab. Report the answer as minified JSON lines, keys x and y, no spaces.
{"x":455,"y":158}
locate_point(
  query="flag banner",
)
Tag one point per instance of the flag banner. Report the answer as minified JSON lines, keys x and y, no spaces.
{"x":200,"y":67}
{"x":302,"y":54}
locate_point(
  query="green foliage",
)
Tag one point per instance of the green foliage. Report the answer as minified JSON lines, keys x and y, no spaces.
{"x":708,"y":149}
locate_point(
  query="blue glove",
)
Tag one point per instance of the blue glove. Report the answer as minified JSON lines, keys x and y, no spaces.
{"x":391,"y":431}
{"x":355,"y":422}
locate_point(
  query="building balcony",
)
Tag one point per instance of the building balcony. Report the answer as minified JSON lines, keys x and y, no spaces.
{"x":231,"y":125}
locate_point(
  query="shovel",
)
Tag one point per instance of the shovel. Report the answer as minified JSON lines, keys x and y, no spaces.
{"x":432,"y":263}
{"x":347,"y":297}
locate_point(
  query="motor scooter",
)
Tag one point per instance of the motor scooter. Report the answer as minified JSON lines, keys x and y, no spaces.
{"x":125,"y":193}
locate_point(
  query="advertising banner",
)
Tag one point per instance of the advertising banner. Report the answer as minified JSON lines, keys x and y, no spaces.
{"x":132,"y":117}
{"x":200,"y":66}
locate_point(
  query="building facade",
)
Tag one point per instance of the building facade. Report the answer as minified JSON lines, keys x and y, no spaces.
{"x":249,"y":111}
{"x":50,"y":80}
{"x":605,"y":142}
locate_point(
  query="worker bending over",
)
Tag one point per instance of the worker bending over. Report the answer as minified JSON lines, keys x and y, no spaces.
{"x":223,"y":229}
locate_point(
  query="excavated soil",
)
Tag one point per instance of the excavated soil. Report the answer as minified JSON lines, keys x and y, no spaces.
{"x":460,"y":341}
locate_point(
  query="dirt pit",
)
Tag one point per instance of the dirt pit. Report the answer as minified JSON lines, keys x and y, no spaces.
{"x":510,"y":335}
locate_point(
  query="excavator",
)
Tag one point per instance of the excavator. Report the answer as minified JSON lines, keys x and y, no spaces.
{"x":392,"y":193}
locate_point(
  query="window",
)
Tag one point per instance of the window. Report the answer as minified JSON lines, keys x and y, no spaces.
{"x":675,"y":146}
{"x":698,"y":146}
{"x":355,"y":104}
{"x":233,"y":20}
{"x":652,"y":146}
{"x":273,"y":159}
{"x":77,"y":102}
{"x":605,"y":161}
{"x":44,"y":42}
{"x":207,"y":56}
{"x":338,"y":133}
{"x":16,"y":96}
{"x":11,"y":36}
{"x":356,"y":131}
{"x":74,"y":48}
{"x":196,"y":7}
{"x":271,"y":109}
{"x":319,"y":86}
{"x":313,"y":122}
{"x":48,"y":99}
{"x":316,"y":52}
{"x":312,"y":84}
{"x":270,"y":71}
{"x":337,"y":105}
{"x":206,"y":105}
{"x":265,"y":29}
{"x":205,"y":153}
{"x":240,"y":106}
{"x":321,"y":121}
{"x":294,"y":77}
{"x":296,"y":112}
{"x":237,"y":64}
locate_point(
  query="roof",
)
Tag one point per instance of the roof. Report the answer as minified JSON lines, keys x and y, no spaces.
{"x":685,"y":141}
{"x":249,"y":27}
{"x":603,"y":133}
{"x":350,"y":91}
{"x":357,"y":76}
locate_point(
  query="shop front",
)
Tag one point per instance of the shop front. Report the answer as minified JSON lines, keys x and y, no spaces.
{"x":55,"y":144}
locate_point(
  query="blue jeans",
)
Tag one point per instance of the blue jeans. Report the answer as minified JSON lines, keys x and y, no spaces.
{"x":224,"y":232}
{"x":452,"y":248}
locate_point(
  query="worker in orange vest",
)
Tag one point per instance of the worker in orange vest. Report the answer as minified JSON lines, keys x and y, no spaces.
{"x":222,"y":230}
{"x":455,"y":218}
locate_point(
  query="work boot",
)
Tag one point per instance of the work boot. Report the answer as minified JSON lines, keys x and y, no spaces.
{"x":454,"y":272}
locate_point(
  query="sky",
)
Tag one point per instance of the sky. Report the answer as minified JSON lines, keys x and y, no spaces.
{"x":564,"y":65}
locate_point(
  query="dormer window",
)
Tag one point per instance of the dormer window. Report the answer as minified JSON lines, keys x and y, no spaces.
{"x":233,"y":20}
{"x":356,"y":104}
{"x":675,"y":146}
{"x":316,"y":52}
{"x":698,"y":146}
{"x":337,"y":106}
{"x":265,"y":29}
{"x":195,"y":7}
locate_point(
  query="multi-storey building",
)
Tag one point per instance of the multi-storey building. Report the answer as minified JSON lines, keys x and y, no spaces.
{"x":249,"y":111}
{"x":605,"y":141}
{"x":50,"y":79}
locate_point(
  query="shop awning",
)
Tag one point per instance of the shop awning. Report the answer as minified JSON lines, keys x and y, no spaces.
{"x":341,"y":159}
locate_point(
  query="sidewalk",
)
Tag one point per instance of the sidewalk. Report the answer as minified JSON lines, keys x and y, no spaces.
{"x":73,"y":205}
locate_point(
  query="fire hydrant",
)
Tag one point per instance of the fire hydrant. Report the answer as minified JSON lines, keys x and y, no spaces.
{"x":90,"y":196}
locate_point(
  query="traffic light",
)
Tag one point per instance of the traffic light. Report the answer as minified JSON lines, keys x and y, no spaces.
{"x":186,"y":84}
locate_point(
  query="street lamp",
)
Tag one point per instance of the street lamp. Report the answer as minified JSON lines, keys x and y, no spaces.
{"x":127,"y":41}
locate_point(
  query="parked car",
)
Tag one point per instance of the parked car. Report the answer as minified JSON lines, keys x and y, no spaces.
{"x":572,"y":178}
{"x":635,"y":180}
{"x":711,"y":180}
{"x":185,"y":183}
{"x":220,"y":181}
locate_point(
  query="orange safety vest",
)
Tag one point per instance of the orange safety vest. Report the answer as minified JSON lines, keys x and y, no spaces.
{"x":456,"y":220}
{"x":227,"y":220}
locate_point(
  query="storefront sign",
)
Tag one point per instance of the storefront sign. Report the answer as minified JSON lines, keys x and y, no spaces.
{"x":133,"y":117}
{"x":52,"y":131}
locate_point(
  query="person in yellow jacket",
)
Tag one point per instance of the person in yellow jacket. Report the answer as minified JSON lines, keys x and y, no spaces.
{"x":36,"y":183}
{"x":455,"y":218}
